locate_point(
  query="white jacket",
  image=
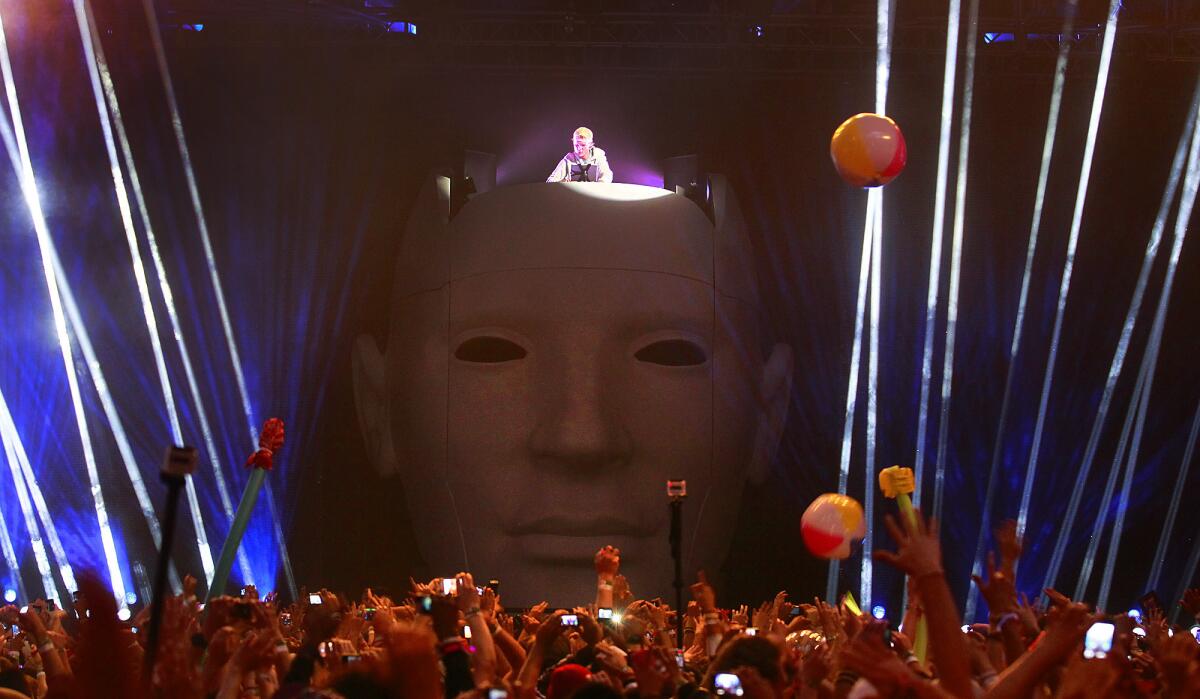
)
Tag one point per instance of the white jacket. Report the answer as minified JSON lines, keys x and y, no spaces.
{"x":572,"y":169}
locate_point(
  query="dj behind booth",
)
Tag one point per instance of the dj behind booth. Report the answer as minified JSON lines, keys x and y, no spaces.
{"x":585,"y":163}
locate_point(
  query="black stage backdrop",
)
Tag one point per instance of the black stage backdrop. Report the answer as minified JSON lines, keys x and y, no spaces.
{"x":309,"y":157}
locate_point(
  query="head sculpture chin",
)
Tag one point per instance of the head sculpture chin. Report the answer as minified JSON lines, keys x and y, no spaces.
{"x":556,"y":353}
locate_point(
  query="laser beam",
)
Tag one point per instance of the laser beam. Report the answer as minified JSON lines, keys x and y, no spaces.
{"x":209,"y":256}
{"x":935,"y":248}
{"x":25,"y":480}
{"x":12,"y":441}
{"x":10,"y":558}
{"x":1160,"y":553}
{"x":1085,"y":173}
{"x":960,"y":201}
{"x":1119,"y":355}
{"x":864,"y":275}
{"x":118,"y":125}
{"x":1039,"y":199}
{"x":1183,"y":217}
{"x":33,"y":201}
{"x":867,"y":574}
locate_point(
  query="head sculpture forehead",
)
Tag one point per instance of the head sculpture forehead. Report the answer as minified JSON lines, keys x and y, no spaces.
{"x":572,"y":226}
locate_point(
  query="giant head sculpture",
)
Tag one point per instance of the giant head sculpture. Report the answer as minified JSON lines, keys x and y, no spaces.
{"x":555,"y":354}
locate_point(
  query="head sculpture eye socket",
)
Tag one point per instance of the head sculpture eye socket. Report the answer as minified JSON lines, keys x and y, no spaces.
{"x":672,"y":353}
{"x":489,"y":349}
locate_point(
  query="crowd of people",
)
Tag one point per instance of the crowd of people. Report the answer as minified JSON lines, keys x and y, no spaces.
{"x":453,"y":639}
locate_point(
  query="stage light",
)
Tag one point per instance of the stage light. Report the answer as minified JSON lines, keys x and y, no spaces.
{"x":864,"y":274}
{"x":1056,"y":92}
{"x":997,"y":37}
{"x":402,"y":28}
{"x":960,"y":205}
{"x":758,"y":31}
{"x":106,"y":98}
{"x":45,"y":245}
{"x":878,"y":611}
{"x":1119,"y":356}
{"x":214,"y":275}
{"x":935,"y":249}
{"x":1183,"y":217}
{"x":10,"y":596}
{"x":131,"y":597}
{"x":12,"y":443}
{"x":1160,"y":553}
{"x":1085,"y":172}
{"x":192,"y":27}
{"x":867,"y":566}
{"x":1135,"y":613}
{"x":123,"y":614}
{"x":617,"y":191}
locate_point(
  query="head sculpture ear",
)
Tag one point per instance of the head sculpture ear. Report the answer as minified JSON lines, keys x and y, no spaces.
{"x":423,"y":266}
{"x":371,"y":402}
{"x":738,"y":293}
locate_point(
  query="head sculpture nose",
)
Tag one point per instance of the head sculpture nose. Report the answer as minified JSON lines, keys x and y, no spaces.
{"x":577,"y":424}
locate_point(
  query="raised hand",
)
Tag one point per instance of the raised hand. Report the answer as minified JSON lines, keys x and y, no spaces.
{"x":1191,"y":601}
{"x":550,"y":630}
{"x":1057,"y":599}
{"x":1009,"y":545}
{"x":999,"y":589}
{"x":867,"y":656}
{"x":607,"y":562}
{"x":918,"y":549}
{"x":1179,"y":659}
{"x":704,"y":594}
{"x":468,"y":596}
{"x":1065,"y":627}
{"x":589,"y":628}
{"x":741,"y":615}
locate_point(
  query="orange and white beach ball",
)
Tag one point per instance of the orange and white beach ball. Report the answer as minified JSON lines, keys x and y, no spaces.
{"x":868,"y":150}
{"x":831,"y":524}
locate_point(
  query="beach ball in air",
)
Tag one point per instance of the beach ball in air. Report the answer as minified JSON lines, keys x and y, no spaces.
{"x":868,"y":150}
{"x":831,"y":524}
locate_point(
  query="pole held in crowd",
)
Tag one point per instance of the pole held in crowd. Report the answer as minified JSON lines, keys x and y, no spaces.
{"x":270,"y":440}
{"x":897,"y":482}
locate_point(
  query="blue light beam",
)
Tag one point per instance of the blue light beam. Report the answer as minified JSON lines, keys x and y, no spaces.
{"x":110,"y":95}
{"x":33,"y":201}
{"x":14,"y":451}
{"x":210,"y":259}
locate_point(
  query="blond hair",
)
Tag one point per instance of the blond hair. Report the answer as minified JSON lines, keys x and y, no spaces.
{"x":583,"y":131}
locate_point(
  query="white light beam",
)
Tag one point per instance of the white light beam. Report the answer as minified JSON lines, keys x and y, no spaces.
{"x":33,"y":201}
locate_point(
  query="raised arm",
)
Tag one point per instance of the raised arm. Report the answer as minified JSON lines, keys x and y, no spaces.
{"x":919,"y":553}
